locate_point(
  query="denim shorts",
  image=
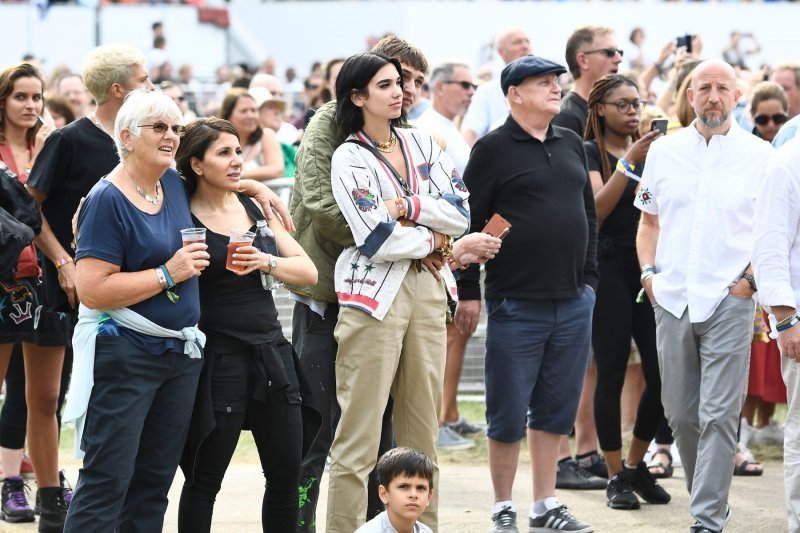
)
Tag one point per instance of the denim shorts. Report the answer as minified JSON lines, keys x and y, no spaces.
{"x":537,"y":352}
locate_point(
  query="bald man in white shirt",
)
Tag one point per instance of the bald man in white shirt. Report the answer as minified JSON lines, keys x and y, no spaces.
{"x":489,"y":108}
{"x":694,"y":243}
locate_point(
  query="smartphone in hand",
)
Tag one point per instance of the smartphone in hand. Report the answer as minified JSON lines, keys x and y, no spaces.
{"x":497,"y":227}
{"x":659,"y":124}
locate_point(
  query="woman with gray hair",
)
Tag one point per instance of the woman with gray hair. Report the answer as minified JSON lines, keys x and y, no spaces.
{"x":137,"y":346}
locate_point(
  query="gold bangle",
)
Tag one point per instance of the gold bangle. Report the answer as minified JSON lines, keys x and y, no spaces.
{"x":446,"y":248}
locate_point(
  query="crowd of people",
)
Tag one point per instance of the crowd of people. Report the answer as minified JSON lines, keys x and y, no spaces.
{"x":584,"y":191}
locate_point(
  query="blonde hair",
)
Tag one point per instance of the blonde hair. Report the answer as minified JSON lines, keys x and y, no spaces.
{"x":109,"y":64}
{"x":141,"y":106}
{"x":649,"y":113}
{"x":684,"y":111}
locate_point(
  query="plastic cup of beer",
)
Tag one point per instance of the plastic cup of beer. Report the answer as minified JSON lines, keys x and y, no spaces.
{"x":193,"y":235}
{"x":239,"y":237}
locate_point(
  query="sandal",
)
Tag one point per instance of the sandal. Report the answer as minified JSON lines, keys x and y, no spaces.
{"x":665,"y":469}
{"x":742,"y":470}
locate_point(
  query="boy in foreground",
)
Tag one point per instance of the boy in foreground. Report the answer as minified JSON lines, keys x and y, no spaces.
{"x":406,"y":487}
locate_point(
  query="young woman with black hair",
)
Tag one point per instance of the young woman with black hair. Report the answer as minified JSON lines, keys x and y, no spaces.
{"x":616,"y":155}
{"x":403,"y":200}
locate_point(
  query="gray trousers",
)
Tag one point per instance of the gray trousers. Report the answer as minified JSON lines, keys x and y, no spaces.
{"x":704,"y":370}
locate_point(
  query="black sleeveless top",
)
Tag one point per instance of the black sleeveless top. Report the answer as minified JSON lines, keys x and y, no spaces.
{"x":235,"y":311}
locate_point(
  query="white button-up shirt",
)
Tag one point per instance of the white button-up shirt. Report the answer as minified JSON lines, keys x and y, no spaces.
{"x":704,"y":197}
{"x":488,"y":109}
{"x":776,"y":253}
{"x":435,"y":124}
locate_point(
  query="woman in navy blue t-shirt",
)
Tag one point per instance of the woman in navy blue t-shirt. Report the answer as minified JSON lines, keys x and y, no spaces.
{"x":131,"y":262}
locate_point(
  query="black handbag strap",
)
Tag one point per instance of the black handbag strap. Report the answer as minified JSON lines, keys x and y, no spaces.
{"x":383,"y":160}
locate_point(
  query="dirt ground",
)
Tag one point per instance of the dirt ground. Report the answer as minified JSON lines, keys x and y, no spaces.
{"x":466,"y":496}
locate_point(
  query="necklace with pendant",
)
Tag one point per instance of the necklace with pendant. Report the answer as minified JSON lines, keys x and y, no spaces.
{"x":142,"y":192}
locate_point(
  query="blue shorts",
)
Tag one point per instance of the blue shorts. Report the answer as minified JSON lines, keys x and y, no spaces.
{"x":537,"y":352}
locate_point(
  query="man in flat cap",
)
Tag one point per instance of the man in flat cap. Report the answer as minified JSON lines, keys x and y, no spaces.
{"x":539,"y":288}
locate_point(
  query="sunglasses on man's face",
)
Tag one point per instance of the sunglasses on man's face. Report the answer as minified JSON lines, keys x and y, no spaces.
{"x":609,"y":52}
{"x":779,"y":118}
{"x":160,"y":128}
{"x":466,"y":85}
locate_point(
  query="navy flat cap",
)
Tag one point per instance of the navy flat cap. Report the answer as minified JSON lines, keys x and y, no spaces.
{"x":515,"y":72}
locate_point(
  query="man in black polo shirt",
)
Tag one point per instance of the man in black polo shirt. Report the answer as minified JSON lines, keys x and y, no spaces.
{"x":539,"y":289}
{"x":592,"y":53}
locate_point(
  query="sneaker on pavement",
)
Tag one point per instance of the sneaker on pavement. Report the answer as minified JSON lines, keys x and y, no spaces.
{"x":572,"y":477}
{"x":620,"y":491}
{"x":595,"y":464}
{"x":646,"y":486}
{"x":66,"y":492}
{"x":504,"y":521}
{"x":463,"y":427}
{"x":450,"y":440}
{"x":771,"y":434}
{"x":15,"y":507}
{"x":558,"y":519}
{"x":700,"y":528}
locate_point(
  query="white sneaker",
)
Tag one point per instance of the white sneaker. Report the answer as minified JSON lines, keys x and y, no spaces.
{"x":771,"y":434}
{"x":746,"y":432}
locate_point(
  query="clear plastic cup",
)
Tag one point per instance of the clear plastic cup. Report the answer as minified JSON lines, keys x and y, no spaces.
{"x":193,"y":235}
{"x":239,"y":237}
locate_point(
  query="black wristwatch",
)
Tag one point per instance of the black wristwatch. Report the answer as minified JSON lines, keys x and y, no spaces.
{"x":751,"y":280}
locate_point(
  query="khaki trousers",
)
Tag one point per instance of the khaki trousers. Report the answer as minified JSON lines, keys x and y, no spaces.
{"x":402,"y":355}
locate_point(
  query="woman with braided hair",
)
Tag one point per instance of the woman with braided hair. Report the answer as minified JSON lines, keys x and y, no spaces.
{"x":616,"y":154}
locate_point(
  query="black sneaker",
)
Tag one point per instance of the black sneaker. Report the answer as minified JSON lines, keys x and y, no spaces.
{"x":646,"y":486}
{"x":596,"y":464}
{"x":66,"y":491}
{"x":15,"y":507}
{"x":558,"y":519}
{"x":700,"y":528}
{"x":570,"y":476}
{"x":504,"y":521}
{"x":620,"y":492}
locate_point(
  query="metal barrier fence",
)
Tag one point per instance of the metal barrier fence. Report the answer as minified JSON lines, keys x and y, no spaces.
{"x":472,"y":373}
